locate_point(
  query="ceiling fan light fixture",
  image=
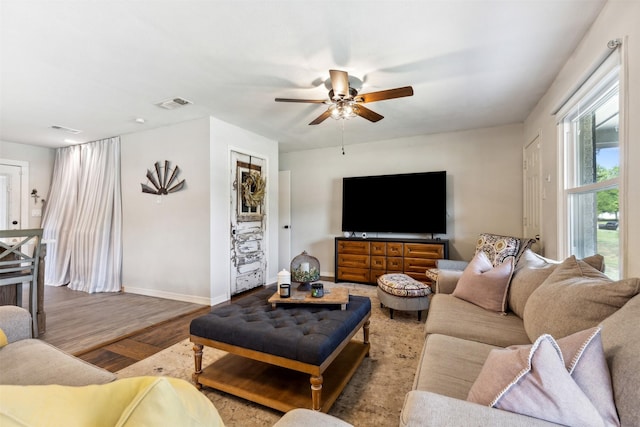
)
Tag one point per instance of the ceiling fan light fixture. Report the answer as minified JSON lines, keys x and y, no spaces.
{"x":343,"y":109}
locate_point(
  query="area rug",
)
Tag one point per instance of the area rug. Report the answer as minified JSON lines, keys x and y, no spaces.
{"x":373,"y":397}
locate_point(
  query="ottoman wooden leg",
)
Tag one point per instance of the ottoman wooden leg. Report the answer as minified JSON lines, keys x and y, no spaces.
{"x":197,"y":354}
{"x":316,"y":392}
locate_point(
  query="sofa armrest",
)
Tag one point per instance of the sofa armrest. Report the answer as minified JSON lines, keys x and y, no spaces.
{"x":15,"y":322}
{"x":451,"y":264}
{"x":447,"y":281}
{"x":423,"y":408}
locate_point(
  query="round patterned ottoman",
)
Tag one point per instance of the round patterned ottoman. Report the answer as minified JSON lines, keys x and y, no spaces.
{"x":401,"y":292}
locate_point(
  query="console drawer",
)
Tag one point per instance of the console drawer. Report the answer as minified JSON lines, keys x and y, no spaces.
{"x":395,"y":249}
{"x":423,"y":250}
{"x":395,"y":264}
{"x":418,"y":265}
{"x":351,"y":260}
{"x":353,"y":247}
{"x":353,"y":274}
{"x":378,"y":263}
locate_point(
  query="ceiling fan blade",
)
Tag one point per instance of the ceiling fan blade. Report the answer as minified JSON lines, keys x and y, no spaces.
{"x":321,"y":118}
{"x":366,"y":113}
{"x":385,"y":94}
{"x":312,"y":101}
{"x":339,"y":82}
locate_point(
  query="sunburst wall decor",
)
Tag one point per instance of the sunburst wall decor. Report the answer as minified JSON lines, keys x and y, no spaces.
{"x":163,"y":179}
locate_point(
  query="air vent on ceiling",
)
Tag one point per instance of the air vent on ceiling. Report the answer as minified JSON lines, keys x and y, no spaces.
{"x":172,"y":104}
{"x":66,"y":129}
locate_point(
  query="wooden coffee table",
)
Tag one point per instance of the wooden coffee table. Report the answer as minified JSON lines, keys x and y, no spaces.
{"x":278,"y":382}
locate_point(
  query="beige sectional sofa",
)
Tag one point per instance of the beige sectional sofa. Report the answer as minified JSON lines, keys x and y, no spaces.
{"x":28,"y":361}
{"x":544,"y":296}
{"x":74,"y":392}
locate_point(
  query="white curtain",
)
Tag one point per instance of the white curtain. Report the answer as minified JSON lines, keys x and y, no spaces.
{"x":83,"y":218}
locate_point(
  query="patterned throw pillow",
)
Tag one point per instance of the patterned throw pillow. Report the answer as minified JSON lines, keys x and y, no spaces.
{"x":497,"y":247}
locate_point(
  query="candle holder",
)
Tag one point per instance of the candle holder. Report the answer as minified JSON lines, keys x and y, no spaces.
{"x":304,"y":270}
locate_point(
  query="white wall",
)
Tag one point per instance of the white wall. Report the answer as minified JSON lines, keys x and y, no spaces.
{"x":618,"y":19}
{"x":180,"y":248}
{"x":484,"y":185}
{"x":166,"y":239}
{"x":40,"y":161}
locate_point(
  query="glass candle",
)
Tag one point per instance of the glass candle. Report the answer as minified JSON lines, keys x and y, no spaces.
{"x":285,"y":290}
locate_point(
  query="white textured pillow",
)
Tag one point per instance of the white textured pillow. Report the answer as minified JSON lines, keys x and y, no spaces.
{"x":533,"y":380}
{"x":586,"y":363}
{"x":483,"y":284}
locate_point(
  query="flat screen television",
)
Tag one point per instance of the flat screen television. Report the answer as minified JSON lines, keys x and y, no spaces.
{"x":402,"y":203}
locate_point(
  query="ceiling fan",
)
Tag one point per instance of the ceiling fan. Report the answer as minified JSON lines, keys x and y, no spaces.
{"x":345,"y":102}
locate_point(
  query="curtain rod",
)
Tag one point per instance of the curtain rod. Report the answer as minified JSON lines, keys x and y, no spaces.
{"x":612,"y":45}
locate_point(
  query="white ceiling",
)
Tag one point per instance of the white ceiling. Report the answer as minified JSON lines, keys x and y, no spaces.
{"x":97,"y":65}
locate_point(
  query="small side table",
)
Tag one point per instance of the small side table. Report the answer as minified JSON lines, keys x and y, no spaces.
{"x":332,"y":296}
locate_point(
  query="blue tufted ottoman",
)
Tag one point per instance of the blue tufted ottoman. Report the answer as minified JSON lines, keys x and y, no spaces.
{"x":401,"y":292}
{"x":273,"y":351}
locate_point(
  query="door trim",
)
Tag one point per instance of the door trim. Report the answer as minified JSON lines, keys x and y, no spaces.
{"x":24,"y":189}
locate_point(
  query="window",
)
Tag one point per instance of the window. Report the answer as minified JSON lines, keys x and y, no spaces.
{"x":592,"y":173}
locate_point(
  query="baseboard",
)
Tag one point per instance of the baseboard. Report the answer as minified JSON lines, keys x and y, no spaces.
{"x":174,"y":296}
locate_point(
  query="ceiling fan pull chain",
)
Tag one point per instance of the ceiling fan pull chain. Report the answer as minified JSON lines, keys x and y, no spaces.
{"x":342,"y":137}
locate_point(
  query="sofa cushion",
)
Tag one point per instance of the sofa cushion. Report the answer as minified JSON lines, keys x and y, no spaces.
{"x":529,"y":273}
{"x":621,"y":343}
{"x":452,"y":316}
{"x":534,"y":381}
{"x":423,"y":408}
{"x":574,"y":297}
{"x":483,"y":284}
{"x":138,"y":401}
{"x":31,"y":361}
{"x":450,"y":365}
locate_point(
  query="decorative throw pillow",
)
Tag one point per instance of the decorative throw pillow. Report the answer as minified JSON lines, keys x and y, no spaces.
{"x":483,"y":284}
{"x":529,"y":273}
{"x":533,"y":381}
{"x":574,"y":297}
{"x":497,"y":248}
{"x":3,"y":339}
{"x":585,"y":361}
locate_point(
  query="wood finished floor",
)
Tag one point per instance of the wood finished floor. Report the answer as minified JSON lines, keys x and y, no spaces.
{"x":136,"y":347}
{"x":132,"y":349}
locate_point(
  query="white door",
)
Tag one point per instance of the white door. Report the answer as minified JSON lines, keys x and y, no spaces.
{"x":10,"y":198}
{"x":248,"y":259}
{"x":284,"y":220}
{"x":533,"y":193}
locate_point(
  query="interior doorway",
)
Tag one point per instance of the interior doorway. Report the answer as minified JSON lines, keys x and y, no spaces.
{"x":532,"y":217}
{"x":14,"y":194}
{"x":248,"y":225}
